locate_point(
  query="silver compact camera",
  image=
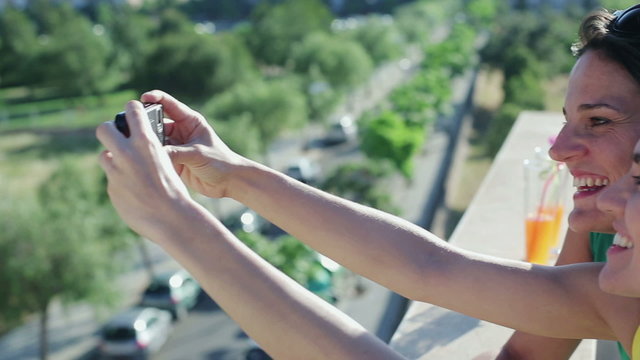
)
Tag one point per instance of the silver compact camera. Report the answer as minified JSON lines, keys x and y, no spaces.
{"x":156,"y":116}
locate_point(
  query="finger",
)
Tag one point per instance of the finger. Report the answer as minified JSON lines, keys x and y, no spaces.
{"x":178,"y":154}
{"x":138,"y":120}
{"x":169,"y":125}
{"x":109,"y":136}
{"x":106,"y":162}
{"x":173,"y":108}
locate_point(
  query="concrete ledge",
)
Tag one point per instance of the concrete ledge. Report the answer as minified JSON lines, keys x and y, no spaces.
{"x":493,"y":224}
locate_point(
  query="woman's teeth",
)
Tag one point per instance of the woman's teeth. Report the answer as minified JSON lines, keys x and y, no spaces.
{"x":589,"y":181}
{"x":622,"y":241}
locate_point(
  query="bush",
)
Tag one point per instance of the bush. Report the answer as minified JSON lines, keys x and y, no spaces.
{"x":500,"y":127}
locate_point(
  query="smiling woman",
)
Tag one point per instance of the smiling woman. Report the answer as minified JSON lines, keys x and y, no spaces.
{"x":622,"y":201}
{"x":602,"y":126}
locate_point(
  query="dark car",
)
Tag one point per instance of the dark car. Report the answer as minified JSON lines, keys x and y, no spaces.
{"x":176,"y":291}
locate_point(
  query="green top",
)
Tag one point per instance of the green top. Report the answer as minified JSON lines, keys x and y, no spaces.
{"x":635,"y":346}
{"x":599,"y":244}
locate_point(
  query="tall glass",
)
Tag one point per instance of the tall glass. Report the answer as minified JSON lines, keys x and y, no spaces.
{"x":545,"y":186}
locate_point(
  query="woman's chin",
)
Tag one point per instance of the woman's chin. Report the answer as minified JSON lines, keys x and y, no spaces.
{"x":616,"y":280}
{"x":589,"y":221}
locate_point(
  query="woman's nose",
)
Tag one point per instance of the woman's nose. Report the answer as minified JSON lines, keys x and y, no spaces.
{"x":566,"y":146}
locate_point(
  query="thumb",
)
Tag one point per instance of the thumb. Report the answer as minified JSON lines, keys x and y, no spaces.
{"x":180,"y":154}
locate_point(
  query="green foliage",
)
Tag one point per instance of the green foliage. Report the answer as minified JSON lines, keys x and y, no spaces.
{"x":62,"y":245}
{"x":419,"y":20}
{"x":73,"y":58}
{"x":424,"y":97}
{"x":389,"y":137}
{"x":195,"y":67}
{"x":482,"y":13}
{"x":130,"y":32}
{"x":499,"y":128}
{"x":292,"y":257}
{"x":173,"y":22}
{"x":547,"y":37}
{"x":455,"y":53}
{"x":18,"y":47}
{"x":276,"y":28}
{"x":525,"y":90}
{"x":269,"y":106}
{"x":379,"y":36}
{"x":342,"y":62}
{"x":361,"y":182}
{"x":322,"y":98}
{"x":240,"y":134}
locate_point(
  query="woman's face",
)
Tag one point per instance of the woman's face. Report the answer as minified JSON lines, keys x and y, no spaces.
{"x":621,"y":200}
{"x":602,"y":112}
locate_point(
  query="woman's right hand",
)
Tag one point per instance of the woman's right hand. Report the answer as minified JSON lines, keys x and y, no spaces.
{"x":203,"y":161}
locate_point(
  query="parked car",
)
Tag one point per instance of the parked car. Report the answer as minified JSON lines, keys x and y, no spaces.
{"x":342,"y":130}
{"x":176,"y":291}
{"x":304,"y":170}
{"x":135,"y":333}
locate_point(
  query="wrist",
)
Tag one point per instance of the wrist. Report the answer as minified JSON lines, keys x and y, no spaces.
{"x":174,"y":222}
{"x":246,"y":179}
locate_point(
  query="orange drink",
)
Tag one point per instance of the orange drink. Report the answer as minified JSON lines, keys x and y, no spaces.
{"x":542,"y":230}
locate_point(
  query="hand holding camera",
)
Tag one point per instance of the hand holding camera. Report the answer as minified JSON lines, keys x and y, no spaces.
{"x":156,"y":116}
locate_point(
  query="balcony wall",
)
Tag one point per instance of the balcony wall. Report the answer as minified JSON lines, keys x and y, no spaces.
{"x":492,"y":224}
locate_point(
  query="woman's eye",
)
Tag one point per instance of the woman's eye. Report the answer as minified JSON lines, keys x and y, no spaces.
{"x":597,"y":121}
{"x":636,"y":179}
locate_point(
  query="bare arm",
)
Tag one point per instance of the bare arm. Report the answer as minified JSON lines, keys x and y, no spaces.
{"x":286,"y":319}
{"x":148,"y":194}
{"x":415,"y":263}
{"x":524,"y":346}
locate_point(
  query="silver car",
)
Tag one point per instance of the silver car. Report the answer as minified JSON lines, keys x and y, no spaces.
{"x":174,"y":290}
{"x":135,"y":333}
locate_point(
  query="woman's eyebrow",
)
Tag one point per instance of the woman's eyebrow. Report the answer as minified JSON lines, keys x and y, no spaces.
{"x":584,"y":107}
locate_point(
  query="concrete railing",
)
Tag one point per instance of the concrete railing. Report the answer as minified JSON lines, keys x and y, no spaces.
{"x":492,"y":224}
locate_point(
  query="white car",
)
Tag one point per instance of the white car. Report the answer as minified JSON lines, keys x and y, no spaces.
{"x":136,"y":332}
{"x":304,"y":170}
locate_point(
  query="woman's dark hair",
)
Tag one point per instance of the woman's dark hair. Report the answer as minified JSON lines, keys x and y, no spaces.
{"x":596,"y":34}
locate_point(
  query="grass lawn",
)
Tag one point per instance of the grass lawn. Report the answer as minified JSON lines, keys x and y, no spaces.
{"x":32,"y":144}
{"x":19,"y":112}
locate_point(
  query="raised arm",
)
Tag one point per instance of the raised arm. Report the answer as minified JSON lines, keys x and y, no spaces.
{"x":282,"y":316}
{"x":387,"y":249}
{"x":524,"y":346}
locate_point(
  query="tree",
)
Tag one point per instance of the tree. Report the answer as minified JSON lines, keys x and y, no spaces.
{"x":342,"y":62}
{"x":389,"y":137}
{"x":380,"y":38}
{"x":275,"y":28}
{"x":424,"y":97}
{"x":73,"y":60}
{"x":454,"y":54}
{"x":361,"y":182}
{"x":420,"y":19}
{"x":499,"y":128}
{"x":482,"y":13}
{"x":61,"y":247}
{"x":130,"y":32}
{"x":18,"y":47}
{"x":196,"y":66}
{"x":546,"y":36}
{"x":269,"y":106}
